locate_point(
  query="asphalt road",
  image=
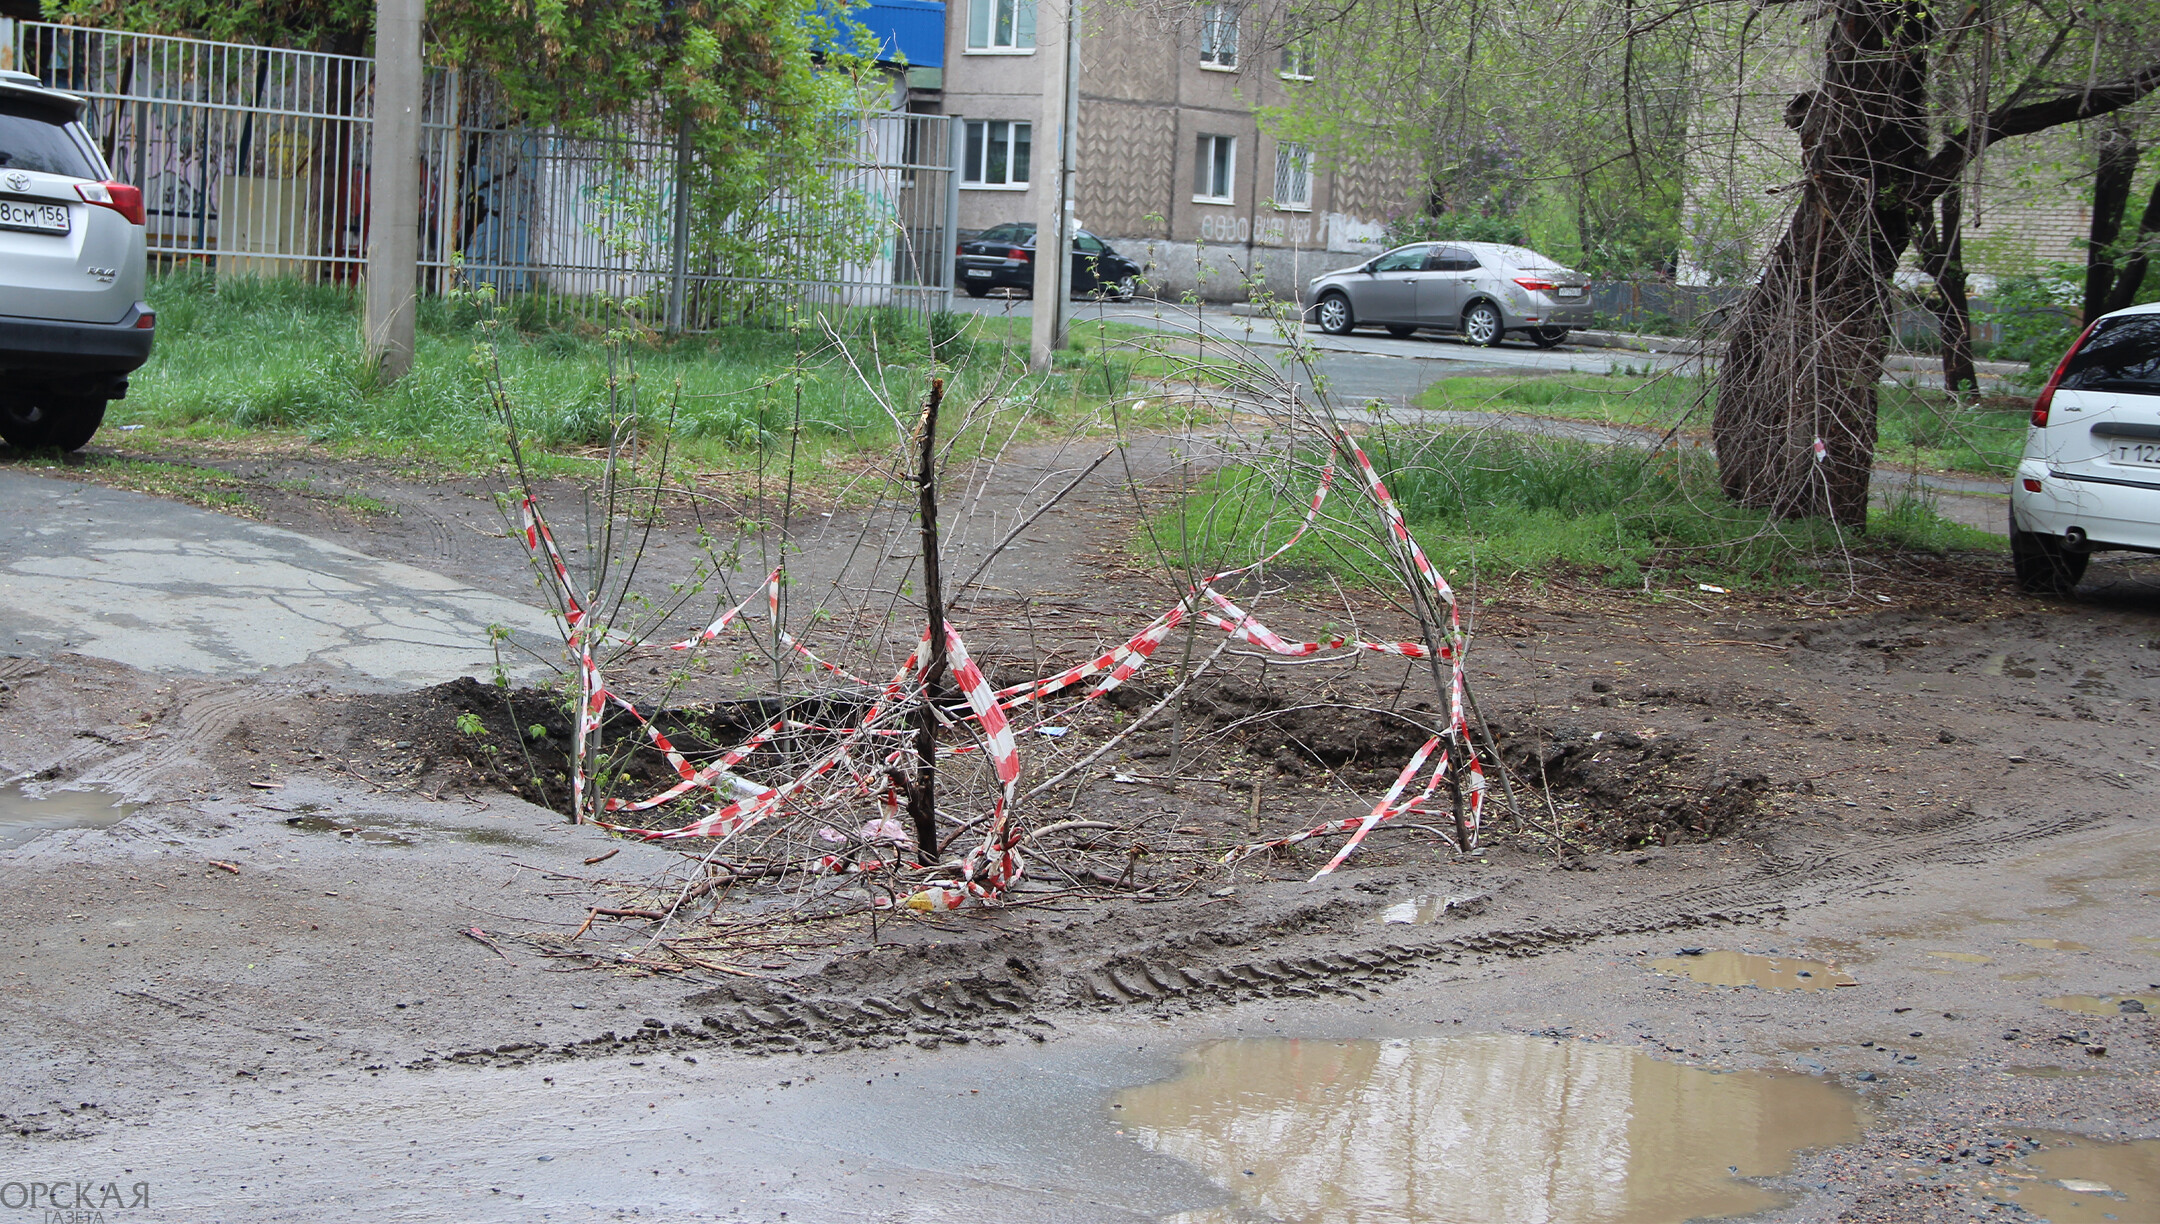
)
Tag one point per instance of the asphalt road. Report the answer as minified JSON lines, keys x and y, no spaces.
{"x":176,"y":590}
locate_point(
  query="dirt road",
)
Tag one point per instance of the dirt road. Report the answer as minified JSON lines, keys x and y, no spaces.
{"x":324,"y":971}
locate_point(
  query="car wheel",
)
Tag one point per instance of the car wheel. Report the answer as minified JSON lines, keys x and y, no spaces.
{"x":1125,"y":288}
{"x":1401,"y":330}
{"x":1482,"y":326}
{"x":1548,"y":337}
{"x":63,"y":422}
{"x":1334,"y":315}
{"x":2042,"y":564}
{"x":974,"y":290}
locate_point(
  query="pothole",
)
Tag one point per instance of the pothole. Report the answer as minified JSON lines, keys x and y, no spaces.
{"x":1727,"y":968}
{"x":1389,"y":1132}
{"x":24,"y":818}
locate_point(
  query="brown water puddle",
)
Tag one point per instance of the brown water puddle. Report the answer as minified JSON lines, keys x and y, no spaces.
{"x":2055,"y":945}
{"x":385,"y":831}
{"x":23,"y":818}
{"x":2105,"y":1005}
{"x":1725,"y":968}
{"x":1491,"y":1129}
{"x":2086,"y":1181}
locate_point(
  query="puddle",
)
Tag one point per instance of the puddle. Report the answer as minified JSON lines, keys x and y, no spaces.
{"x":1969,"y":958}
{"x":1496,"y":1128}
{"x":2055,"y":945}
{"x":2106,"y":1005}
{"x":23,"y":818}
{"x":323,"y":824}
{"x":2086,"y":1181}
{"x":1723,"y":968}
{"x":384,"y":832}
{"x":1418,"y":911}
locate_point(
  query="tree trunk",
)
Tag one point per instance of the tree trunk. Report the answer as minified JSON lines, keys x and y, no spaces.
{"x":2116,"y":165}
{"x":1942,"y":257}
{"x":1795,"y":418}
{"x":2131,"y":277}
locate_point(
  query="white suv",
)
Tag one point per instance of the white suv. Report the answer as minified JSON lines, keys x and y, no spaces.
{"x":2090,"y":478}
{"x":73,"y":324}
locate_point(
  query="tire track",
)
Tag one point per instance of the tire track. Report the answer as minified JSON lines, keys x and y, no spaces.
{"x":998,"y":1005}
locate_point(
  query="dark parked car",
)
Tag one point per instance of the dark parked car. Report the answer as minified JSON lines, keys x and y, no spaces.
{"x":1003,"y":257}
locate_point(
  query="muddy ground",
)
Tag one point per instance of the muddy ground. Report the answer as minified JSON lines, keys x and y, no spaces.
{"x":327,"y":907}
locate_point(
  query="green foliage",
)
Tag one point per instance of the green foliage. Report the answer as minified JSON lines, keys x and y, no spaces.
{"x":240,"y":355}
{"x":339,"y":26}
{"x":1455,"y":227}
{"x":1504,"y":505}
{"x":469,"y":724}
{"x":2039,"y":318}
{"x":1915,"y":425}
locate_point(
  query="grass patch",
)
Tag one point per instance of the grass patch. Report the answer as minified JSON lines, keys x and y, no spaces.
{"x":198,"y":486}
{"x":1505,"y":505}
{"x":1914,"y":425}
{"x":244,"y":358}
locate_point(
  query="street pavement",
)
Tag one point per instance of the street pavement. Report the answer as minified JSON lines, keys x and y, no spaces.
{"x":176,"y":590}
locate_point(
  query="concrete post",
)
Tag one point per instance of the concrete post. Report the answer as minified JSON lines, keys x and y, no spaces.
{"x":1053,"y":170}
{"x":393,"y":250}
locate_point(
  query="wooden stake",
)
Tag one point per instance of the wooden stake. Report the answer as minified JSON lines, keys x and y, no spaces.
{"x":922,"y":790}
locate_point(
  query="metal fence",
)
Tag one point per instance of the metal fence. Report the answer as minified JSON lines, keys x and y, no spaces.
{"x":254,"y":162}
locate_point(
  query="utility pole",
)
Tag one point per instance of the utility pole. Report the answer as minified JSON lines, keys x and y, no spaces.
{"x":393,"y":250}
{"x":1054,"y":223}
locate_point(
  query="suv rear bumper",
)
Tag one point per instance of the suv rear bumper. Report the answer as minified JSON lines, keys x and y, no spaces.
{"x":54,"y":346}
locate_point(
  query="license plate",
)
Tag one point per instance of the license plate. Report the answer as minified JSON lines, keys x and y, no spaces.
{"x":32,"y":216}
{"x":979,"y":272}
{"x":2136,"y":454}
{"x":1567,"y":292}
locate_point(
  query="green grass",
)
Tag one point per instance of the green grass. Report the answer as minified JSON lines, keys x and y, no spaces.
{"x":241,"y":358}
{"x":1915,"y":426}
{"x":1504,"y":505}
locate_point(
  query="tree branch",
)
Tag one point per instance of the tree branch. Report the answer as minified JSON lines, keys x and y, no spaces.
{"x":1950,"y":161}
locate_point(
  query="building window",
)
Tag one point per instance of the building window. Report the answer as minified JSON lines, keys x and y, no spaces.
{"x":997,"y":153}
{"x":1293,"y":177}
{"x":1297,"y":59}
{"x":1218,"y":36}
{"x":1215,"y":165}
{"x":1001,"y":25}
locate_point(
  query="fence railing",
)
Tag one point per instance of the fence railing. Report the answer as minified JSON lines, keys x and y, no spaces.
{"x":255,"y":161}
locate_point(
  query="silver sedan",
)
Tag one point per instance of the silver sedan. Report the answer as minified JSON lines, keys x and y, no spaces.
{"x":1484,"y":290}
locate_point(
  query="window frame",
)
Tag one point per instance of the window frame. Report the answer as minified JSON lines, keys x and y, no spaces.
{"x":1287,"y":153}
{"x":1023,"y":26}
{"x":1206,"y":160}
{"x":1214,"y":57}
{"x":975,"y":155}
{"x":1297,"y":59}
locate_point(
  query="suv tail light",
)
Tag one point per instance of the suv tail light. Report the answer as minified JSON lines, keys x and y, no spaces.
{"x":120,"y":197}
{"x":2047,"y":393}
{"x":1539,"y":286}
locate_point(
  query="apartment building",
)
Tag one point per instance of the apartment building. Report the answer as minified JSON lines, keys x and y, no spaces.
{"x":1173,"y":168}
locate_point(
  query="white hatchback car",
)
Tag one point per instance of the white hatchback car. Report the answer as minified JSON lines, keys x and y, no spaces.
{"x":73,"y":324}
{"x":2090,"y":478}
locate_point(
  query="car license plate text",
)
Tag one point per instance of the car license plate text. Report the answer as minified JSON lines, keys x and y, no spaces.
{"x":2141,"y":454}
{"x":1567,"y":292}
{"x":978,"y":271}
{"x":31,"y":215}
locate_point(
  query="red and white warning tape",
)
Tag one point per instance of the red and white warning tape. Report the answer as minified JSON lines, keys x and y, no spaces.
{"x":992,"y":867}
